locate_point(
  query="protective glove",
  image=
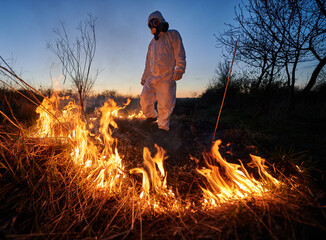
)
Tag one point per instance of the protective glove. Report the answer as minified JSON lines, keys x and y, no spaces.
{"x":177,"y":75}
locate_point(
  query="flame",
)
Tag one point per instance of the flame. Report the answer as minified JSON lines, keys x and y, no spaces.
{"x":97,"y":155}
{"x":139,"y":115}
{"x":157,"y":178}
{"x":161,"y":198}
{"x":146,"y":183}
{"x":237,"y":183}
{"x":44,"y":123}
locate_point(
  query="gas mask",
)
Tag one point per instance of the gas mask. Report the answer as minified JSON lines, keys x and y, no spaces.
{"x":156,"y":27}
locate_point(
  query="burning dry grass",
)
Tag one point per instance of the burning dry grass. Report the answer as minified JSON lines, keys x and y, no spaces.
{"x":67,"y":179}
{"x":45,"y":195}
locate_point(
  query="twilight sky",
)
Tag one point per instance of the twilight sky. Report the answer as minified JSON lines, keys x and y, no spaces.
{"x":122,"y":38}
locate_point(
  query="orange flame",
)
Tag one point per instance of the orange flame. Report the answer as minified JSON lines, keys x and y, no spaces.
{"x":139,"y":115}
{"x":237,"y":183}
{"x":98,"y":156}
{"x":161,"y":198}
{"x":50,"y":122}
{"x":157,"y":179}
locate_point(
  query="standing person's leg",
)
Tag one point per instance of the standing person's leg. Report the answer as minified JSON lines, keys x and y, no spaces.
{"x":147,"y":100}
{"x":166,"y":99}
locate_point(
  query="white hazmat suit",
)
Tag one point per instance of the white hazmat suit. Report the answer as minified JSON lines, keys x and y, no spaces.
{"x":165,"y":63}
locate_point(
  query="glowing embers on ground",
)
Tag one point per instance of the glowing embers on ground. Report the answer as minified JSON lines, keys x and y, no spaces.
{"x":235,"y":182}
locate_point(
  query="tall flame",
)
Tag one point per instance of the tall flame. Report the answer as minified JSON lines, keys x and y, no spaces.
{"x":97,"y":155}
{"x":157,"y":178}
{"x":51,"y":121}
{"x":237,"y":182}
{"x":155,"y":191}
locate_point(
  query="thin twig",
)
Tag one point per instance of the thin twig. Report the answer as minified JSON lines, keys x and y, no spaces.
{"x":226,"y":87}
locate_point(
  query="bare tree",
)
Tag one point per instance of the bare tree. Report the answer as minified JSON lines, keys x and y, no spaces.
{"x":317,"y":39}
{"x":321,"y":4}
{"x":221,"y":74}
{"x":77,"y":57}
{"x":276,"y":36}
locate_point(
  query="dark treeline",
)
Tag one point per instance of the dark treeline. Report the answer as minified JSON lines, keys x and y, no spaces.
{"x":242,"y":94}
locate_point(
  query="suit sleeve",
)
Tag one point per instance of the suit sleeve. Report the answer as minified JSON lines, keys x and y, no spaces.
{"x":179,"y":52}
{"x":147,"y":66}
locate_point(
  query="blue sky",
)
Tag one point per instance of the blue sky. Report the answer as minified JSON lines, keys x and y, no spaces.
{"x":122,"y":38}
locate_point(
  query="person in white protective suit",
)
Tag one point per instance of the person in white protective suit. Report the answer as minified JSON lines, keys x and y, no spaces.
{"x":165,"y":64}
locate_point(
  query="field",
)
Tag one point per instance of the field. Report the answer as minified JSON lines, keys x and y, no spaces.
{"x":121,"y":178}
